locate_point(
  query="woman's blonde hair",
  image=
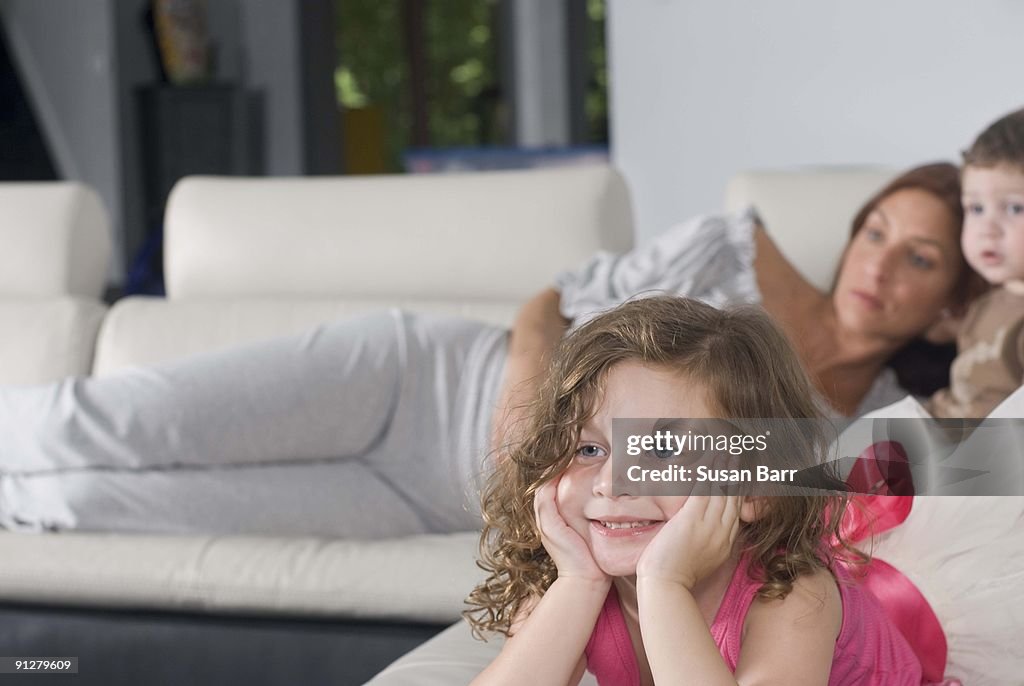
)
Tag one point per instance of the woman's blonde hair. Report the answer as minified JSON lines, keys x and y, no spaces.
{"x":750,"y":371}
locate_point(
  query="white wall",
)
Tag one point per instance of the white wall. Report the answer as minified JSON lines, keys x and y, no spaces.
{"x":703,"y":88}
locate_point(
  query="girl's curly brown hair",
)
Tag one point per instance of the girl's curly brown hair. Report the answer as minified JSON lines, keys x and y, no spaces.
{"x":750,"y":371}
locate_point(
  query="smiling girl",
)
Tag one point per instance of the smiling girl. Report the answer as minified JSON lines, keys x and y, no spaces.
{"x":719,"y":589}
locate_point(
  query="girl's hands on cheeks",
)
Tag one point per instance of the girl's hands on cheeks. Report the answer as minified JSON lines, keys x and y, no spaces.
{"x":694,"y":542}
{"x":567,"y":548}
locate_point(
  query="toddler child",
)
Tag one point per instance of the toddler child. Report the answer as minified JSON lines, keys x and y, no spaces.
{"x":990,"y":346}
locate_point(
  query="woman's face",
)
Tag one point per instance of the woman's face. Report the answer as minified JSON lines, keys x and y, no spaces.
{"x":900,"y":269}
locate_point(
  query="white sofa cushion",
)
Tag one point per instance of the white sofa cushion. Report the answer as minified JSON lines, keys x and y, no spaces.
{"x":146,"y":331}
{"x":808,"y":212}
{"x":423,"y":578}
{"x":494,"y":235}
{"x":56,"y":240}
{"x":46,"y":339}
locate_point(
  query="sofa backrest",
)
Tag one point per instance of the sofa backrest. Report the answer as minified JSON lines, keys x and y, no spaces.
{"x":808,"y":212}
{"x":486,"y":236}
{"x":56,"y":250}
{"x":251,"y":258}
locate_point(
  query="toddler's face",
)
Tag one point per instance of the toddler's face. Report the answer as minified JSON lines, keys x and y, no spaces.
{"x":618,"y":528}
{"x":993,"y":236}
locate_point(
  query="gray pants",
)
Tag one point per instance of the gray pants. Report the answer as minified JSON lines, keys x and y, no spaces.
{"x":375,"y":426}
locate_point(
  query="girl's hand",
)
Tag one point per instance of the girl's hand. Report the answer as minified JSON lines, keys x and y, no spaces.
{"x":694,"y":542}
{"x":567,"y":548}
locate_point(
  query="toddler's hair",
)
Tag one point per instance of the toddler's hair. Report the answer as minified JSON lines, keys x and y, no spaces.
{"x":1002,"y":143}
{"x":750,"y":371}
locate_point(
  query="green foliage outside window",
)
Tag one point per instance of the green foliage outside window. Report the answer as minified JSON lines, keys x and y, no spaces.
{"x":596,"y":103}
{"x":465,"y":103}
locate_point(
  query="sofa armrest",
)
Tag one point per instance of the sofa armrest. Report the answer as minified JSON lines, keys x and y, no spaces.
{"x":56,"y":240}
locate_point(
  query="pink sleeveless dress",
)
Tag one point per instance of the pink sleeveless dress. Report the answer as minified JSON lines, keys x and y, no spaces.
{"x":870,"y":650}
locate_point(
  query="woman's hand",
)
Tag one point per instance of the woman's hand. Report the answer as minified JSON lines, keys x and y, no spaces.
{"x":567,"y":548}
{"x":694,"y":542}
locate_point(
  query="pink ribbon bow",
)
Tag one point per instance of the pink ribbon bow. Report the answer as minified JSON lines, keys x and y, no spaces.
{"x":885,"y":497}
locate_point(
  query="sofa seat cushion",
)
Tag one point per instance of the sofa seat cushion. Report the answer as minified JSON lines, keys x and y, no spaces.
{"x":146,"y":331}
{"x":421,"y":578}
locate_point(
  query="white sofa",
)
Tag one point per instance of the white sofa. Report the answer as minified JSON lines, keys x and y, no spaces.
{"x":253,"y":258}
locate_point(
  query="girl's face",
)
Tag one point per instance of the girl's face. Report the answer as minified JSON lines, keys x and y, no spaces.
{"x":900,"y":268}
{"x":617,"y":529}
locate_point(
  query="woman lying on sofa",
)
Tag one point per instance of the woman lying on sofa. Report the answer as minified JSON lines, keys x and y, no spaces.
{"x":379,"y":425}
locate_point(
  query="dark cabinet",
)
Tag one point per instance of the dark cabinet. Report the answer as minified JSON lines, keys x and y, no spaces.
{"x":210,"y":129}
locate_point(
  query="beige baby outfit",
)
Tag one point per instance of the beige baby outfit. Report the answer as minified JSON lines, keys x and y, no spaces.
{"x":989,"y":365}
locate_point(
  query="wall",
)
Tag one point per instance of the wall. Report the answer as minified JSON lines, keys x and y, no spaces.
{"x":703,"y":88}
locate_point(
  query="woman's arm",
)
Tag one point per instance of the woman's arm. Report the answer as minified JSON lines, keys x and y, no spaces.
{"x":538,"y":328}
{"x":547,"y":643}
{"x":789,"y":641}
{"x":783,"y":288}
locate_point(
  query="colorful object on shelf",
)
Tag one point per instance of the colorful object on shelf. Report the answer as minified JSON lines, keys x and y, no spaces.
{"x":182,"y":39}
